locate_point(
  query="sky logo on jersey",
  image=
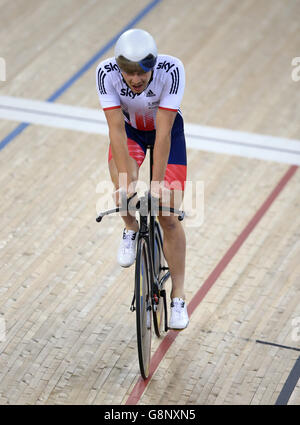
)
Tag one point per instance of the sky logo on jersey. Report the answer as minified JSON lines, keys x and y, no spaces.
{"x":165,"y":65}
{"x":110,"y":67}
{"x":128,"y":92}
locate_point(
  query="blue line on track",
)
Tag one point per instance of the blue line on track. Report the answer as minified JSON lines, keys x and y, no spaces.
{"x":21,"y":127}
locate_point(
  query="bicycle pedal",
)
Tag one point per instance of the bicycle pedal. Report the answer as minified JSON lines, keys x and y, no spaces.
{"x":132,"y":308}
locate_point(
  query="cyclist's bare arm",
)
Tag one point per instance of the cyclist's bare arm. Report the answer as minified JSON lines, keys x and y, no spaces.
{"x":164,"y":123}
{"x":118,"y":142}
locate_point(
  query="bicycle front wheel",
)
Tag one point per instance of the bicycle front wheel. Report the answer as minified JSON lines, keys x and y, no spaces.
{"x":143,"y":306}
{"x":160,"y":312}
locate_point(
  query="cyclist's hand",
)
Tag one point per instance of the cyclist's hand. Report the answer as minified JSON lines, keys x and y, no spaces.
{"x":132,"y":202}
{"x":123,"y":197}
{"x":158,"y":191}
{"x":153,"y":202}
{"x":155,"y":190}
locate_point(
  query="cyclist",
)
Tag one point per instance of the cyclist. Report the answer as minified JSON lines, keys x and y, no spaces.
{"x":140,"y":93}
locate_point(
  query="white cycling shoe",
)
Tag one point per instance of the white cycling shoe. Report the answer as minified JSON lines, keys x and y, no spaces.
{"x":127,"y":248}
{"x":179,"y":319}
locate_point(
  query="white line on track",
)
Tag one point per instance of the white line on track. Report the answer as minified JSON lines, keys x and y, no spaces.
{"x":198,"y":137}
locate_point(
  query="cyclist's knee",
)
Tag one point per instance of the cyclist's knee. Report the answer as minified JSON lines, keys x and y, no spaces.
{"x":168,"y":223}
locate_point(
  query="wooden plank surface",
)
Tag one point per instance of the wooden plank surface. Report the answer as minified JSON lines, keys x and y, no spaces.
{"x":70,"y":335}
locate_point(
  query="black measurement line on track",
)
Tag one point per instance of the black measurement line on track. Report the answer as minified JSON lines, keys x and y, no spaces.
{"x":277,"y":345}
{"x":292,"y":379}
{"x":289,"y":385}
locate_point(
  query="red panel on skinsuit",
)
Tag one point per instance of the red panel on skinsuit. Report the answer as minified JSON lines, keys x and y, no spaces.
{"x":175,"y":176}
{"x":135,"y":151}
{"x":144,"y":123}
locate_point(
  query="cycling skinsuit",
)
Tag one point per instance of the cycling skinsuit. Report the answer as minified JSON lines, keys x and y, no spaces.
{"x":165,"y":90}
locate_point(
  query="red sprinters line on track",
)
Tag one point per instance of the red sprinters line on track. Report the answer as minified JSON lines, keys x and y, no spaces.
{"x":141,"y":384}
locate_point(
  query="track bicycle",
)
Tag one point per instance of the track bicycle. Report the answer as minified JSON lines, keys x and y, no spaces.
{"x":151,"y":271}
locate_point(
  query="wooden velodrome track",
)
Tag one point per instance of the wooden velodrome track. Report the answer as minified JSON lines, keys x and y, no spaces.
{"x":69,"y":335}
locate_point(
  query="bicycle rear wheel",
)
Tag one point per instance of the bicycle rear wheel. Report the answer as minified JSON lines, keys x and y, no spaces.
{"x":143,"y":306}
{"x":160,"y":311}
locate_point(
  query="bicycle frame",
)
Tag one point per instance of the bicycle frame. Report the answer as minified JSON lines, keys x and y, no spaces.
{"x":147,"y":232}
{"x":148,"y":229}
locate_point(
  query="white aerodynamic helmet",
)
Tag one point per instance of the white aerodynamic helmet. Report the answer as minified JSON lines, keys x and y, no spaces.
{"x":136,"y":50}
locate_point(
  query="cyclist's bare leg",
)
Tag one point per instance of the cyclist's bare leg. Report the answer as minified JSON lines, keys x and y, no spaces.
{"x":174,"y":248}
{"x":130,"y":221}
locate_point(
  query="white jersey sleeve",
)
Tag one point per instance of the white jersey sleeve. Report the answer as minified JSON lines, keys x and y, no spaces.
{"x":174,"y":85}
{"x":107,"y":93}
